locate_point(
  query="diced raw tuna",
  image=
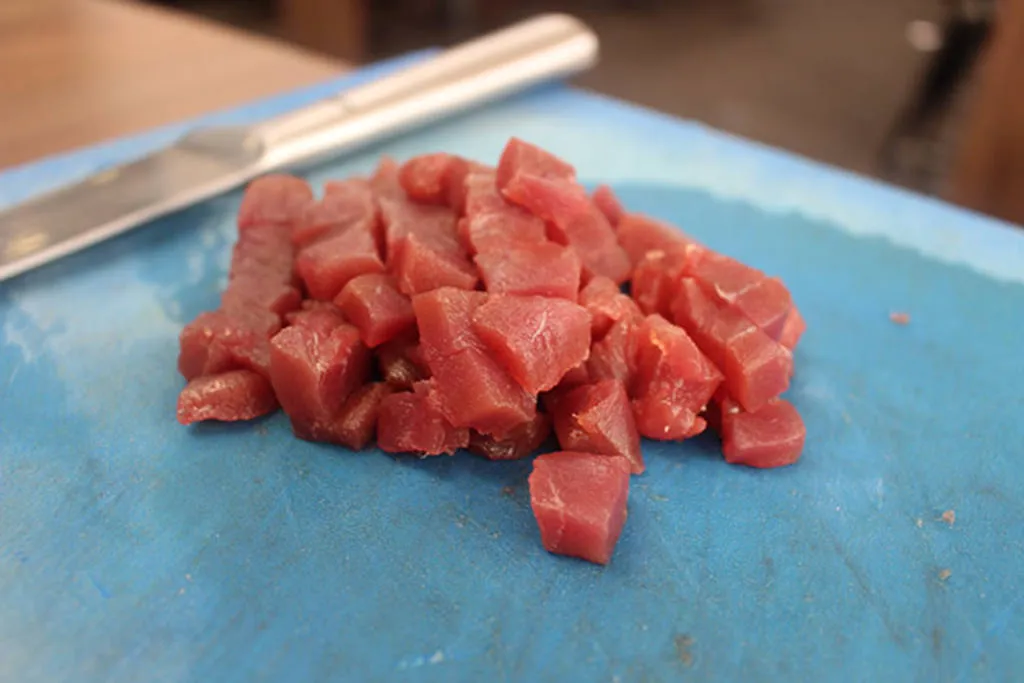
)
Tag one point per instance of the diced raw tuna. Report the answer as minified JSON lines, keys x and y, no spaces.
{"x":246,"y":293}
{"x":482,"y":196}
{"x":435,"y":226}
{"x":412,"y":422}
{"x":605,"y":200}
{"x":541,"y":269}
{"x":574,"y":378}
{"x":274,"y":198}
{"x":373,"y":304}
{"x":216,"y":342}
{"x":461,"y":366}
{"x":639,"y":234}
{"x":228,"y":397}
{"x":607,"y":305}
{"x":263,"y":252}
{"x":772,"y":437}
{"x":445,"y":321}
{"x":322,"y":317}
{"x":327,"y":265}
{"x":756,"y":368}
{"x":421,"y":267}
{"x":580,"y":501}
{"x":520,"y":442}
{"x":536,"y":339}
{"x":657,"y":275}
{"x":522,"y":157}
{"x":762,"y":300}
{"x":597,"y":418}
{"x":500,"y":231}
{"x":572,"y":220}
{"x":792,"y":329}
{"x":436,"y":179}
{"x":314,"y":374}
{"x":384,"y":181}
{"x":401,"y":363}
{"x":673,"y":382}
{"x":356,"y":424}
{"x":345,"y":204}
{"x":614,"y":355}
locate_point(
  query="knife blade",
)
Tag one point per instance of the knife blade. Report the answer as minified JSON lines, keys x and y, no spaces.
{"x":207,"y":162}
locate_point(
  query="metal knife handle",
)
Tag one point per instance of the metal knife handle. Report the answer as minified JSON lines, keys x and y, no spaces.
{"x":547,"y":47}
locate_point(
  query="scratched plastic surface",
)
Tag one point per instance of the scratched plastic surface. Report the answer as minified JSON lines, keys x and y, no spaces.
{"x":134,"y":549}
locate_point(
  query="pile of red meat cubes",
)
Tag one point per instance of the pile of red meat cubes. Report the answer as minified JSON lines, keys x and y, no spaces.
{"x":443,"y":304}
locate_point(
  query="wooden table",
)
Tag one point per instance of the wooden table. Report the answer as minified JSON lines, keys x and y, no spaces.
{"x":75,"y":72}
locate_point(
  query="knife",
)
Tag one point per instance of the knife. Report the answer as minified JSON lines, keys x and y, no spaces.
{"x":210,"y":161}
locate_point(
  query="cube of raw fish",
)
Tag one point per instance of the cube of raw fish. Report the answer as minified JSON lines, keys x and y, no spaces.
{"x":597,"y":418}
{"x":227,"y":397}
{"x":756,"y":367}
{"x":536,"y":339}
{"x":539,"y":269}
{"x":373,"y":303}
{"x":673,"y":382}
{"x":313,"y":374}
{"x":412,"y":422}
{"x":580,"y":503}
{"x":522,"y":157}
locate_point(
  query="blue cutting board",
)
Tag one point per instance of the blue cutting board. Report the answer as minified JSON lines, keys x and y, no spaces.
{"x":133,"y":549}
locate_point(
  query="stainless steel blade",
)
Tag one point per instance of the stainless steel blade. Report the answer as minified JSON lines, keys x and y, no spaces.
{"x":58,"y":223}
{"x":208,"y":162}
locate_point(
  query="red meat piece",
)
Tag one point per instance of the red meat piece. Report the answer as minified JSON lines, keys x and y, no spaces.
{"x":639,"y":234}
{"x":522,"y":157}
{"x":345,"y":204}
{"x":673,"y":382}
{"x":322,"y":317}
{"x":520,"y":442}
{"x":401,"y":363}
{"x":490,"y":222}
{"x":572,"y":220}
{"x":575,"y":377}
{"x":607,"y":305}
{"x":216,"y":342}
{"x":384,"y":182}
{"x":356,"y":424}
{"x":482,"y":196}
{"x":756,"y":368}
{"x":434,"y":225}
{"x":263,"y":252}
{"x":606,"y":201}
{"x":227,"y":397}
{"x":313,"y":374}
{"x":473,"y":389}
{"x":251,"y":292}
{"x":412,"y":422}
{"x":792,"y":329}
{"x":540,"y":269}
{"x":597,"y":418}
{"x":498,"y":231}
{"x":762,"y":300}
{"x":657,"y":275}
{"x":771,"y":437}
{"x":327,"y":265}
{"x":422,"y":266}
{"x":614,"y":355}
{"x":536,"y":339}
{"x":436,"y":179}
{"x":274,"y":198}
{"x":580,"y":500}
{"x":373,"y":304}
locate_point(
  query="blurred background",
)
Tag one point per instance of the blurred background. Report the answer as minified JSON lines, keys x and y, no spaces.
{"x":841,"y":81}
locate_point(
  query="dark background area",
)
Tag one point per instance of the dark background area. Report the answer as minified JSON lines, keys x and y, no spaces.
{"x":823,"y":78}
